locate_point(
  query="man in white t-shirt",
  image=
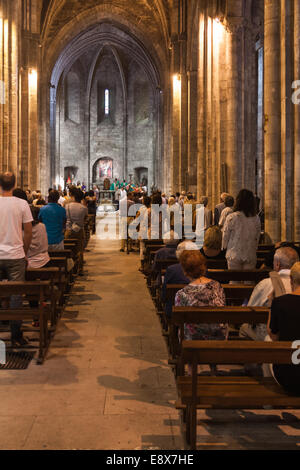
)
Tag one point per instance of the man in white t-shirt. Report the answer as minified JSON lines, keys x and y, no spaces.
{"x":15,"y":218}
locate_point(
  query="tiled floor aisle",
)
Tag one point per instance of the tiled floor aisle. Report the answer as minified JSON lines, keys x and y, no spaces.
{"x":106,"y":383}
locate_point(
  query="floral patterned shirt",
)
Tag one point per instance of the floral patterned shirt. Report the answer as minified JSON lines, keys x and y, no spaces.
{"x":202,"y":295}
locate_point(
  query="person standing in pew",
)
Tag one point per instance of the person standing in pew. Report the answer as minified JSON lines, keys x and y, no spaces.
{"x":15,"y":239}
{"x":219,"y":208}
{"x":229,"y":204}
{"x":175,"y":275}
{"x":284,"y":325}
{"x":76,"y":217}
{"x":241,"y":233}
{"x":277,"y":284}
{"x":53,"y":216}
{"x":201,"y":292}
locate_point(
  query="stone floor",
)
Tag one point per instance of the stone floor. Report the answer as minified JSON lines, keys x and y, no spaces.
{"x":106,"y":383}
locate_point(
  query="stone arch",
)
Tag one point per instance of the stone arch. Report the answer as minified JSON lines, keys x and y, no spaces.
{"x":97,"y":40}
{"x":123,"y":19}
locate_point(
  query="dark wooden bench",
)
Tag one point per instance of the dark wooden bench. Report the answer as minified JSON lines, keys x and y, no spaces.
{"x":225,"y":276}
{"x":66,"y":276}
{"x":230,"y":315}
{"x":199,"y":392}
{"x":235,"y":293}
{"x":38,"y":291}
{"x":53,"y":275}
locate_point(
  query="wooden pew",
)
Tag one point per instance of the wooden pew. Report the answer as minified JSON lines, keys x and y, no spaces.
{"x":235,"y":294}
{"x":231,"y":315}
{"x":66,"y":277}
{"x":35,"y":290}
{"x":225,"y":276}
{"x":53,"y":275}
{"x":196,"y":392}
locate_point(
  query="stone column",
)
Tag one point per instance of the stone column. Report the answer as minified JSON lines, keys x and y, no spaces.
{"x":183,"y":164}
{"x":235,"y":104}
{"x":297,"y":123}
{"x":192,"y":131}
{"x":287,"y":164}
{"x":201,"y":161}
{"x":273,"y":119}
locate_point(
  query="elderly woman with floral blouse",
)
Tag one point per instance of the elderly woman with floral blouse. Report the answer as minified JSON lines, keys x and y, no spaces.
{"x":201,"y":292}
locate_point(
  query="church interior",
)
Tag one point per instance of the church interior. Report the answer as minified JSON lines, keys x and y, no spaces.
{"x":185,"y":99}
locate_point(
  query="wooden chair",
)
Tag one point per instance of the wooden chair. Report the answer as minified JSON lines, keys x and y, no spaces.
{"x":199,"y":392}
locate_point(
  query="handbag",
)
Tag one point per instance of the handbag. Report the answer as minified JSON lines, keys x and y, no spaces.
{"x":74,"y":227}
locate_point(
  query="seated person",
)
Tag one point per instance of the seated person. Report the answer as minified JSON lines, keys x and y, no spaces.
{"x":212,"y":248}
{"x":37,"y":254}
{"x":284,"y":325}
{"x":284,"y":259}
{"x":175,"y":274}
{"x":201,"y":292}
{"x":167,"y":252}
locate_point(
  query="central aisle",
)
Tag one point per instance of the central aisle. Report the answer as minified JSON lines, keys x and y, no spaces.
{"x":105,"y":383}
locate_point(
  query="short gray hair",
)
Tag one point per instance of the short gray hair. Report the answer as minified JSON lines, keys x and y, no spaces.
{"x":286,"y":257}
{"x":187,"y":245}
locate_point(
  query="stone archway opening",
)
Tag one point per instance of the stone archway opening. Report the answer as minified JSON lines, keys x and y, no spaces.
{"x":105,"y":100}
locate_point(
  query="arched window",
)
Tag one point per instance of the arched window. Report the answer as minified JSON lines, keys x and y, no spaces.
{"x":106,"y":103}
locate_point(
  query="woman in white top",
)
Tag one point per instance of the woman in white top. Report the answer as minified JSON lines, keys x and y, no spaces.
{"x":241,"y":233}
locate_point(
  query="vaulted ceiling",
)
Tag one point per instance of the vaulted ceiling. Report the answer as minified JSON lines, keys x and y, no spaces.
{"x":149,"y":21}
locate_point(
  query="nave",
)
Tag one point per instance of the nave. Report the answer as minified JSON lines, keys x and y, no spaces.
{"x":106,"y":383}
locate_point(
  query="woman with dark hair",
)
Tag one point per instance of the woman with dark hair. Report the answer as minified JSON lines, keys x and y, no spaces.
{"x":242,"y":232}
{"x":19,"y":193}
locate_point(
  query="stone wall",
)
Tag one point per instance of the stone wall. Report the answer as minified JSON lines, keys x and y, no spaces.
{"x":127,"y":134}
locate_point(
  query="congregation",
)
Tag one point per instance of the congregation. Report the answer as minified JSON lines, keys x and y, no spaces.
{"x":232,"y":234}
{"x":32,"y":230}
{"x":233,"y":257}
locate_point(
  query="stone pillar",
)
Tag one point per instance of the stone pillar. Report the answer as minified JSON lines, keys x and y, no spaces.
{"x":287,"y":164}
{"x":183,"y":163}
{"x":297,"y":123}
{"x":201,"y":161}
{"x":192,"y":131}
{"x":235,"y":104}
{"x":273,"y":119}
